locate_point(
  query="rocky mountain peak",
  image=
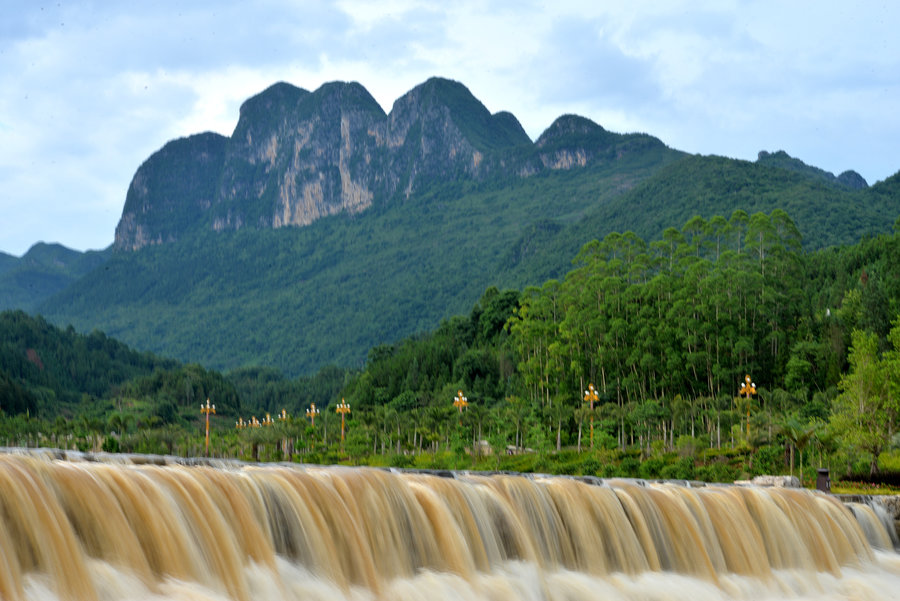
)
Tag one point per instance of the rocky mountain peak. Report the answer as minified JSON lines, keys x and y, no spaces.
{"x":176,"y":185}
{"x":853,"y":180}
{"x":568,"y":126}
{"x":296,"y":156}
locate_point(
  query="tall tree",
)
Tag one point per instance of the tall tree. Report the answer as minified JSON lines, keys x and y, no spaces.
{"x":863,"y":415}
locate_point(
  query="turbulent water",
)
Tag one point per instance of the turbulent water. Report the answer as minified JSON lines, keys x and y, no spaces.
{"x":88,"y":530}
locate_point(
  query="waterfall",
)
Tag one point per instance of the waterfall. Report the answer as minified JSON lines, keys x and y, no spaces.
{"x":87,"y":530}
{"x":876,"y":523}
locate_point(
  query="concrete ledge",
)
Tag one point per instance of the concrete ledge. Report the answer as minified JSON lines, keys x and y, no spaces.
{"x":771,"y":481}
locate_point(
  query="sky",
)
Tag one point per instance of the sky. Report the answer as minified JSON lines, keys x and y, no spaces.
{"x":89,"y":90}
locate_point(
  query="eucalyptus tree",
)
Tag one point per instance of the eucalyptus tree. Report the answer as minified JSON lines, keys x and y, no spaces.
{"x":737,"y":227}
{"x":865,"y":413}
{"x":718,"y":230}
{"x":695,"y":232}
{"x":535,"y":328}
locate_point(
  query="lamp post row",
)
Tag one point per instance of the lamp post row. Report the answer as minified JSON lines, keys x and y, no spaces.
{"x":343,"y":408}
{"x":747,"y":388}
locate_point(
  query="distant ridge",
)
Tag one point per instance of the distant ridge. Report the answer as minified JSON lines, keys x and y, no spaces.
{"x":848,"y":179}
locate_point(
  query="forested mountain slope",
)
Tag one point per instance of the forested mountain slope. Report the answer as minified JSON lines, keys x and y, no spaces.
{"x":41,"y":272}
{"x":323,"y":226}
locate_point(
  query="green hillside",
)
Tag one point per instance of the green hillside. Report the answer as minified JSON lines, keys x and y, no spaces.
{"x":43,"y":271}
{"x":324,"y":227}
{"x":781,"y":159}
{"x":7,"y":262}
{"x":665,"y":328}
{"x":827,"y":215}
{"x":300,"y":298}
{"x":47,"y":370}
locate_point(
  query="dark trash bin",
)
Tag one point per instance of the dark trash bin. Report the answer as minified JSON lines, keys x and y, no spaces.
{"x":823,"y":482}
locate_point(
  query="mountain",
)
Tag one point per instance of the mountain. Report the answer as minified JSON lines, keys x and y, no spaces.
{"x":7,"y":262}
{"x":297,"y":156}
{"x":41,"y":272}
{"x":171,"y":191}
{"x":848,"y":179}
{"x":46,"y":370}
{"x":826,"y":213}
{"x":323,"y":227}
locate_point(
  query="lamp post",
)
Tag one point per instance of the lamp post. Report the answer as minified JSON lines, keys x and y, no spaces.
{"x":460,"y":402}
{"x":311,"y":413}
{"x":590,"y":396}
{"x":747,"y":388}
{"x":207,"y":409}
{"x":283,"y":417}
{"x":343,"y":408}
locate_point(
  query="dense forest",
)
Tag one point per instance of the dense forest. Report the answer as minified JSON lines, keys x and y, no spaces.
{"x":298,"y":299}
{"x":665,"y":331}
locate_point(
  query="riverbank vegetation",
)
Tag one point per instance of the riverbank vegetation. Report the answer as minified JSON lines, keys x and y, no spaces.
{"x":665,"y":330}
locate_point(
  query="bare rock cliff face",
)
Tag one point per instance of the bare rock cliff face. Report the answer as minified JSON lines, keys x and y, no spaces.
{"x":426,"y":138}
{"x":297,"y":156}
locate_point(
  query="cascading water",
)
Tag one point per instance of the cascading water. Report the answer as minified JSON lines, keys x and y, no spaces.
{"x":97,"y":531}
{"x":876,"y":523}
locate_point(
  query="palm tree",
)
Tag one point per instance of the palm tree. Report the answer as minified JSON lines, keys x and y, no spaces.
{"x":518,"y":410}
{"x":798,"y":435}
{"x":581,"y":414}
{"x":558,"y":413}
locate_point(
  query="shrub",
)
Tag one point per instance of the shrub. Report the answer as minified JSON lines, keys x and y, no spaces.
{"x":688,"y":446}
{"x":111,"y":444}
{"x":768,"y":460}
{"x":651,"y":468}
{"x":590,"y":467}
{"x":402,"y":460}
{"x":717,"y":472}
{"x":604,"y":440}
{"x":683,"y":469}
{"x":628,"y":467}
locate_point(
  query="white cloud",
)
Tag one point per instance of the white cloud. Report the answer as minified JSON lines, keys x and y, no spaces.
{"x":92,"y":89}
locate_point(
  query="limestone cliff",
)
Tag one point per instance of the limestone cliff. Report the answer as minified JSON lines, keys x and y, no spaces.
{"x":296,"y":156}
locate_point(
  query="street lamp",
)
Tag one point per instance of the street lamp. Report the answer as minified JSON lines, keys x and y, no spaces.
{"x":343,"y":408}
{"x":747,"y":388}
{"x":590,"y":396}
{"x":311,"y":413}
{"x":207,"y":409}
{"x":460,"y":402}
{"x":284,"y":444}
